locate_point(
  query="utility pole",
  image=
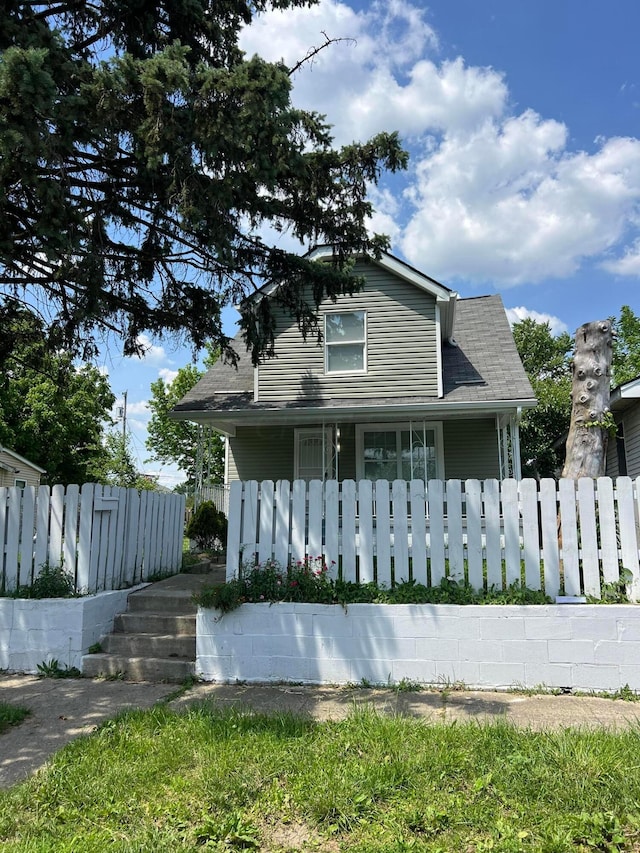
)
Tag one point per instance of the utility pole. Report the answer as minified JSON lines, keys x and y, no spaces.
{"x":124,"y":419}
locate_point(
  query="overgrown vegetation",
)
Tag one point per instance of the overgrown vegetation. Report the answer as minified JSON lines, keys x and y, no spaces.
{"x":308,"y":581}
{"x":50,"y":582}
{"x":223,"y":780}
{"x":53,"y":669}
{"x":11,"y":715}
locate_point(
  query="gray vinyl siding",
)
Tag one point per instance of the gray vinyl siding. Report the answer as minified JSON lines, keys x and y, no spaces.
{"x":470,"y":449}
{"x":611,"y":465}
{"x":401,"y":347}
{"x":632,"y":440}
{"x":267,"y":453}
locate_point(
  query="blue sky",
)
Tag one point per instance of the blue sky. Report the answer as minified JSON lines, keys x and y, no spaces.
{"x":522,"y":120}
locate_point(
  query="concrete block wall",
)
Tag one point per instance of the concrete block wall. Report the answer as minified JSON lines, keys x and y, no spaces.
{"x":582,"y":647}
{"x":37,"y":630}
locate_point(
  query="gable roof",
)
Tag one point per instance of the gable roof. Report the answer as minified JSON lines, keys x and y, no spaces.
{"x":484,"y":367}
{"x":18,"y":460}
{"x":625,"y":395}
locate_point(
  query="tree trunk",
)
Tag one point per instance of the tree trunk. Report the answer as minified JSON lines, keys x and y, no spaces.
{"x":590,"y":416}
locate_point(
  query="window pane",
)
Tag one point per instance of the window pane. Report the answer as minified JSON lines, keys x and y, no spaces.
{"x":344,"y":357}
{"x":380,"y":455}
{"x":345,"y":328}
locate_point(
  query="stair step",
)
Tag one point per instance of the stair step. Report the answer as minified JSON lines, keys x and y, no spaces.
{"x":155,"y":623}
{"x":174,"y":670}
{"x":167,"y":601}
{"x":151,"y":645}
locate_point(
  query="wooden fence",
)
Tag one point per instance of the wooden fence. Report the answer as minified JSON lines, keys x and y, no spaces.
{"x":568,"y":537}
{"x":104,"y":537}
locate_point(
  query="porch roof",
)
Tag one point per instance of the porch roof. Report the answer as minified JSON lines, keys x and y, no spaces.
{"x":482,"y":372}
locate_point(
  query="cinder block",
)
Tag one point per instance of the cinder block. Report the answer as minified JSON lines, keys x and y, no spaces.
{"x":457,"y":672}
{"x":628,"y":628}
{"x":501,"y":674}
{"x":285,"y":668}
{"x":547,"y":674}
{"x":432,"y":649}
{"x":329,"y":671}
{"x":593,"y":628}
{"x":421,"y":671}
{"x":502,"y":628}
{"x":571,"y":651}
{"x":595,"y":677}
{"x":630,"y":675}
{"x":375,"y":647}
{"x":524,"y":651}
{"x":546,"y":627}
{"x":480,"y":650}
{"x":375,"y":671}
{"x":621,"y":654}
{"x":334,"y":625}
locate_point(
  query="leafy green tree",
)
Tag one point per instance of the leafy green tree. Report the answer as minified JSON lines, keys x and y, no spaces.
{"x":180,"y":442}
{"x":546,"y":360}
{"x":120,"y":468}
{"x":626,"y":347}
{"x":52,"y":411}
{"x":142,"y":158}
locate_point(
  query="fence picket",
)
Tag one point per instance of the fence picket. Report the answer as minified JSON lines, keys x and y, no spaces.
{"x":365,"y":531}
{"x":237,"y":505}
{"x":473,"y":495}
{"x":549,"y":521}
{"x":71,"y":531}
{"x":435,"y":496}
{"x":298,"y":521}
{"x":27,"y":526}
{"x":569,"y":534}
{"x":588,"y":537}
{"x":511,"y":523}
{"x":315,"y":518}
{"x":56,"y":512}
{"x":84,"y":579}
{"x":492,"y":517}
{"x":283,"y":514}
{"x":608,"y":531}
{"x":3,"y":534}
{"x":530,"y":532}
{"x":418,"y":532}
{"x":265,"y":544}
{"x":627,"y":523}
{"x":454,"y":524}
{"x":382,"y":532}
{"x":133,"y":561}
{"x":348,"y":530}
{"x":12,"y":549}
{"x":41,"y":549}
{"x":332,"y":527}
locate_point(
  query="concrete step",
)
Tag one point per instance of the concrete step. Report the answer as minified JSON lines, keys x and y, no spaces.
{"x":179,"y":625}
{"x":172,"y":670}
{"x":165,"y":601}
{"x":150,"y":645}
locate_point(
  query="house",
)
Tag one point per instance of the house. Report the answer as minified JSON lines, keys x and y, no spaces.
{"x":409,"y":381}
{"x":623,"y":454}
{"x":15,"y":470}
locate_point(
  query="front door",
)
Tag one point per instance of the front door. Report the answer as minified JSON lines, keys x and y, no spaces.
{"x":315,"y":454}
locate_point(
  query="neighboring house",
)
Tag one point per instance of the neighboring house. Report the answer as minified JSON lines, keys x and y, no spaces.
{"x":623,"y":454}
{"x":15,"y":470}
{"x":409,"y":381}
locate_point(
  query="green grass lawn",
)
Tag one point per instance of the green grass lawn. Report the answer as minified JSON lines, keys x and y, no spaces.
{"x":11,"y":715}
{"x":221,"y":780}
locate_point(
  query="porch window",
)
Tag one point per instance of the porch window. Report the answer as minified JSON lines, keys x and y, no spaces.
{"x":345,"y":342}
{"x":410,"y":451}
{"x":315,"y":454}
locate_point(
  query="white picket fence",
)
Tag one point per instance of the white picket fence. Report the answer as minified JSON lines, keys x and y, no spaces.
{"x":104,"y":537}
{"x":567,"y":537}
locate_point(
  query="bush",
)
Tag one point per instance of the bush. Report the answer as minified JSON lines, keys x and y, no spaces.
{"x":51,"y":582}
{"x":208,"y":527}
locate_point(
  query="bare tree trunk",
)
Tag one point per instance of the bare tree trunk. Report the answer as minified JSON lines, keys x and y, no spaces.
{"x":590,"y":416}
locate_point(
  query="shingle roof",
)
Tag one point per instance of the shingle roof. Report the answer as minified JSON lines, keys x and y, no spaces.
{"x":483,"y":367}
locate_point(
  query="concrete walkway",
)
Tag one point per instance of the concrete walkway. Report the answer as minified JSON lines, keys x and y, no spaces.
{"x":63,"y":709}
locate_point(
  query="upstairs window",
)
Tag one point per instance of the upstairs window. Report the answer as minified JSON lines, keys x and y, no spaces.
{"x":345,"y":341}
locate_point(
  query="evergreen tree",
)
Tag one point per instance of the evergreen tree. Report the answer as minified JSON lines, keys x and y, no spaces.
{"x":142,"y":158}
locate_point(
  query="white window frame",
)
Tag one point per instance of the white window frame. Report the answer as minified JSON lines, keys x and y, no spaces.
{"x":20,"y":483}
{"x":392,"y":426}
{"x":327,"y":344}
{"x":305,"y":432}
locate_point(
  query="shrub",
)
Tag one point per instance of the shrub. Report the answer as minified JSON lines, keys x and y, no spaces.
{"x":208,"y":527}
{"x":51,"y":582}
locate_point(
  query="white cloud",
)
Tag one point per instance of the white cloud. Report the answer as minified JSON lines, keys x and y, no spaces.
{"x":139,"y":408}
{"x":152,"y":353}
{"x":492,"y":194}
{"x":628,"y":264}
{"x":515,"y":315}
{"x":167,"y":375}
